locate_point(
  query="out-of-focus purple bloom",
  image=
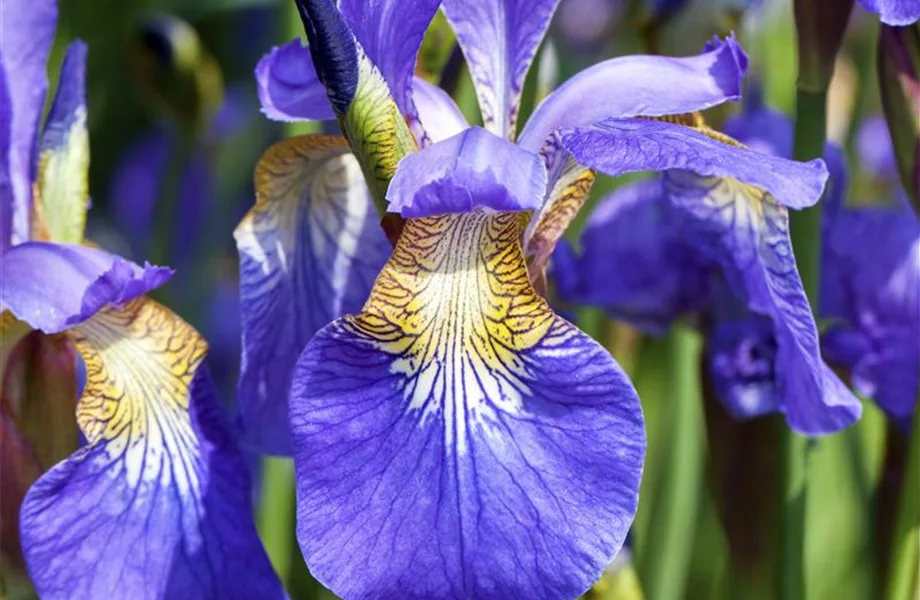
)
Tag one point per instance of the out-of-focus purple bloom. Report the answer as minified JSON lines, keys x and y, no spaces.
{"x":870,"y":287}
{"x":873,"y":147}
{"x":718,"y":249}
{"x":584,"y":23}
{"x":894,"y":12}
{"x":155,"y":503}
{"x":438,"y":426}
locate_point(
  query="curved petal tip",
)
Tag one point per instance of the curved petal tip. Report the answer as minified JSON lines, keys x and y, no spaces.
{"x":55,"y":286}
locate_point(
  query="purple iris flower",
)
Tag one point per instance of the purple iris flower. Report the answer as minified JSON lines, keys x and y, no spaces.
{"x":870,"y":286}
{"x":717,"y":248}
{"x":453,"y":437}
{"x":894,"y":12}
{"x":156,"y":501}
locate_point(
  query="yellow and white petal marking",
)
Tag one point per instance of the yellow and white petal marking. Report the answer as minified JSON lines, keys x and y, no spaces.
{"x":140,"y":360}
{"x":455,"y":306}
{"x":310,"y":250}
{"x":562,"y":206}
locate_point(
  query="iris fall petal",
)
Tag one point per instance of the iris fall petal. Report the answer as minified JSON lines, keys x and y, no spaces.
{"x":309,"y":252}
{"x":456,"y":439}
{"x":157,"y":504}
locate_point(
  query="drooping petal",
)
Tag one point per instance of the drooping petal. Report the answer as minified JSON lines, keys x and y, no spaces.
{"x":740,"y":363}
{"x":870,"y":293}
{"x":309,"y":252}
{"x":63,"y":169}
{"x":745,"y":230}
{"x":499,"y":39}
{"x":619,"y":146}
{"x":633,"y":263}
{"x":55,"y":286}
{"x":28,"y":31}
{"x":639,"y":86}
{"x":439,"y":115}
{"x":375,"y":128}
{"x":391,"y":32}
{"x":473,"y":169}
{"x":456,"y":439}
{"x":552,"y":219}
{"x":894,"y":12}
{"x":157,"y":504}
{"x":288,"y":87}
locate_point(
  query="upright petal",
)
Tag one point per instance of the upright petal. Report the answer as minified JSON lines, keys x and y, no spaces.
{"x":55,"y":286}
{"x":499,"y":39}
{"x":289,"y":89}
{"x":456,"y":439}
{"x":157,"y":504}
{"x":309,"y":252}
{"x":745,"y":230}
{"x":633,"y":263}
{"x":894,"y":12}
{"x":63,"y":169}
{"x":28,"y":31}
{"x":472,"y":169}
{"x":439,"y":115}
{"x":391,"y":32}
{"x":639,"y":86}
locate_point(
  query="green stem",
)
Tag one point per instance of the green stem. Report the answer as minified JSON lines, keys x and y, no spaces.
{"x":904,"y":577}
{"x":276,"y":513}
{"x":671,"y":532}
{"x":805,"y":230}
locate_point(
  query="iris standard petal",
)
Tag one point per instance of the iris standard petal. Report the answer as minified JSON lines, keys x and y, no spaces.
{"x":745,"y":230}
{"x":634,"y":264}
{"x":472,"y":169}
{"x":870,"y":293}
{"x":639,"y":85}
{"x":288,"y":87}
{"x":157,"y":504}
{"x":28,"y":31}
{"x":439,"y":115}
{"x":619,"y":146}
{"x":499,"y":39}
{"x":309,"y":252}
{"x":894,"y":12}
{"x":55,"y":286}
{"x":63,"y":167}
{"x":456,"y":439}
{"x":391,"y":32}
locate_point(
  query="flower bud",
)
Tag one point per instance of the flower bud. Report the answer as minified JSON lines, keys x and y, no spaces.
{"x":820,"y":25}
{"x":899,"y":82}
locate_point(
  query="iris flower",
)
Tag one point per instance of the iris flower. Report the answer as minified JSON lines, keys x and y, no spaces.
{"x":453,"y":437}
{"x":717,"y":249}
{"x":870,"y":286}
{"x":894,"y":12}
{"x":156,"y":502}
